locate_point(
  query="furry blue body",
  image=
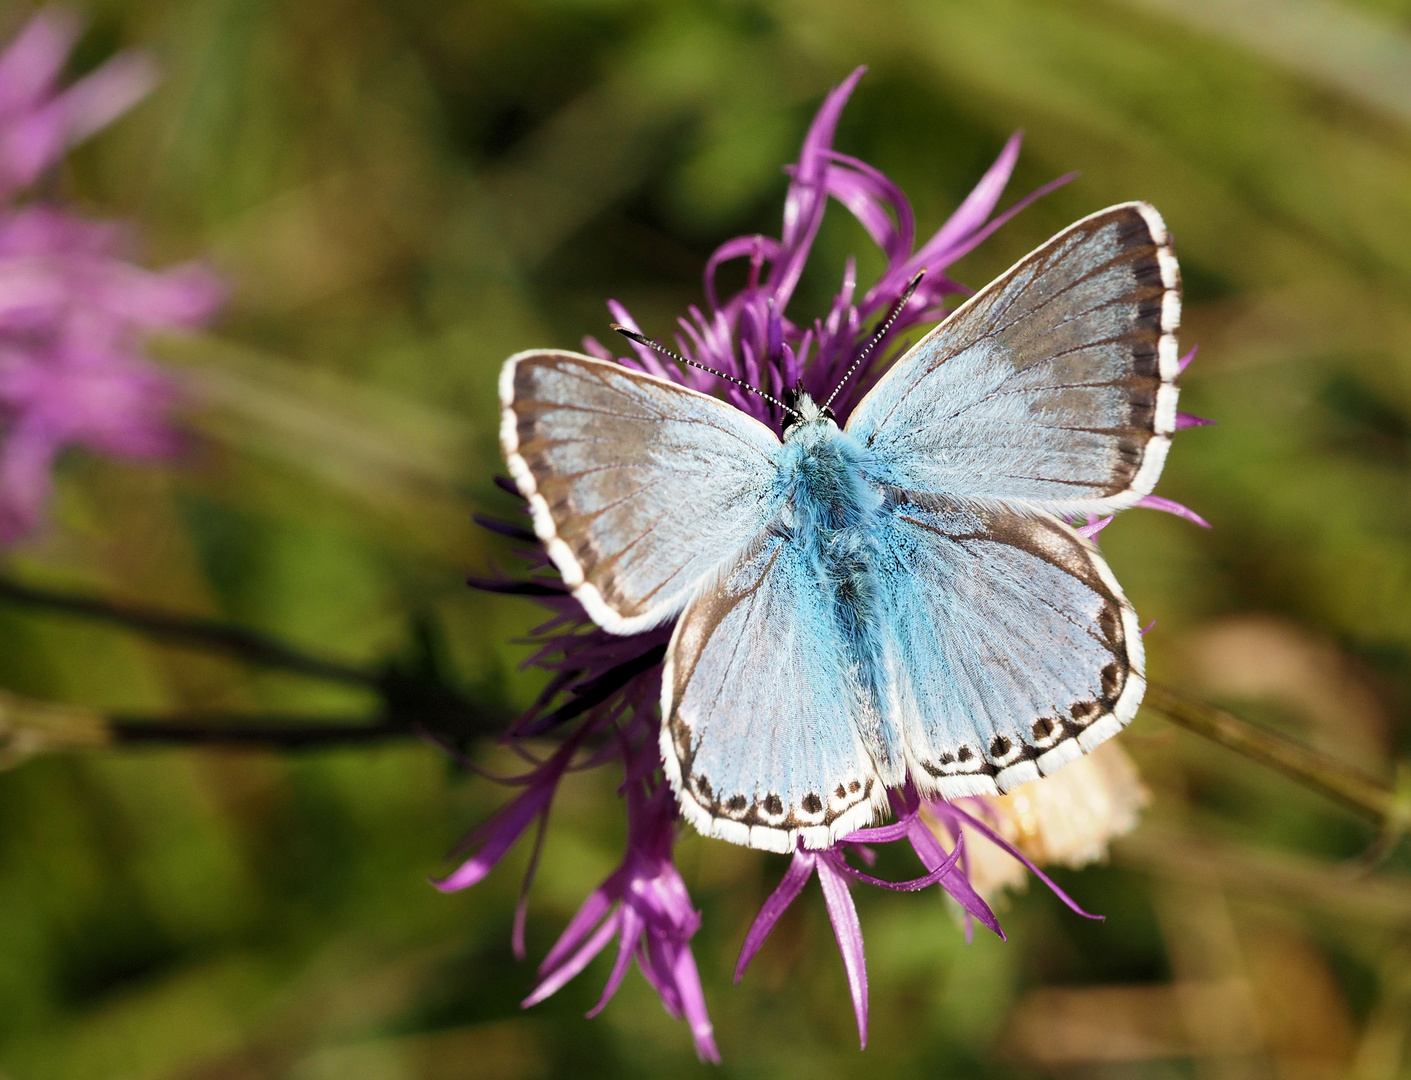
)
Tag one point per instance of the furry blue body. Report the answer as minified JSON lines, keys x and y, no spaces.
{"x":830,"y":511}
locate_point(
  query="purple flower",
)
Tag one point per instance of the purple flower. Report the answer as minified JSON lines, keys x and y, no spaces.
{"x":603,"y":689}
{"x":73,"y":309}
{"x":38,"y":121}
{"x":644,"y":904}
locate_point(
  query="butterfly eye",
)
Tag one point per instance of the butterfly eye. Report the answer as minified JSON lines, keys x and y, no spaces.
{"x":829,"y":415}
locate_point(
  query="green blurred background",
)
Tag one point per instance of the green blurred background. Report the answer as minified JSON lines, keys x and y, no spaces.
{"x":404,"y":192}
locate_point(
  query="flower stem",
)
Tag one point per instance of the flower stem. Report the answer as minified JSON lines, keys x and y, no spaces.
{"x":416,"y":700}
{"x":1389,"y":807}
{"x":263,"y":730}
{"x":194,"y":630}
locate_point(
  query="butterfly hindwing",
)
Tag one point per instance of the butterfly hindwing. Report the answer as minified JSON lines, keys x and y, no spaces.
{"x":761,"y":710}
{"x":639,"y":488}
{"x":1013,"y":649}
{"x":1053,"y":388}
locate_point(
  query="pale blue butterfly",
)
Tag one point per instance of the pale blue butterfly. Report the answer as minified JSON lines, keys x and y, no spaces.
{"x":900,"y":599}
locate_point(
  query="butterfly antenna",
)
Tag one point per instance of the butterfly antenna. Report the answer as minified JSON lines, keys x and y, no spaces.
{"x":656,"y":346}
{"x":878,"y":334}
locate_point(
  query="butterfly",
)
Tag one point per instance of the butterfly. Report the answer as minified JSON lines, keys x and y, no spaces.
{"x":900,"y":599}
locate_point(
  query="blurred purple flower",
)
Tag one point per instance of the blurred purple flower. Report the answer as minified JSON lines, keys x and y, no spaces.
{"x":73,"y":309}
{"x":38,"y":121}
{"x":607,"y":686}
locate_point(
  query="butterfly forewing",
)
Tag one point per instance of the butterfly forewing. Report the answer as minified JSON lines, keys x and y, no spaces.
{"x":1013,"y":649}
{"x":639,"y":488}
{"x":762,"y":714}
{"x":1051,"y":389}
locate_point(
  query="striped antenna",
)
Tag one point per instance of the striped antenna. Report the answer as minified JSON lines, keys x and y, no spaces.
{"x":878,"y":334}
{"x":656,"y":346}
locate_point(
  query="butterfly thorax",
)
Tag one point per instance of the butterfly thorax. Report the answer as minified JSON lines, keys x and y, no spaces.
{"x":821,"y":472}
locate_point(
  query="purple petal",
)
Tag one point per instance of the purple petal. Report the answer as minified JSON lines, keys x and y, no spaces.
{"x":649,"y":360}
{"x":935,"y":876}
{"x":688,"y":985}
{"x":795,"y":878}
{"x":555,"y":980}
{"x":97,"y":100}
{"x":867,"y":192}
{"x":980,"y":203}
{"x":951,"y":809}
{"x":1185,"y":361}
{"x":807,"y":197}
{"x":848,"y":931}
{"x":586,"y":918}
{"x":1092,"y":528}
{"x":1189,"y":420}
{"x":182,"y":296}
{"x":938,"y":256}
{"x":928,"y":849}
{"x":598,"y":903}
{"x":1147,"y":627}
{"x":878,"y":834}
{"x":656,"y":959}
{"x":33,"y":61}
{"x":630,"y":930}
{"x":759,"y":248}
{"x":499,"y":835}
{"x":25,"y":476}
{"x":521,"y":909}
{"x":40,"y":138}
{"x":1170,"y":506}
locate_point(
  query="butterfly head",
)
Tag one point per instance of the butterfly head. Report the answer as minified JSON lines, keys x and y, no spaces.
{"x":805,"y":412}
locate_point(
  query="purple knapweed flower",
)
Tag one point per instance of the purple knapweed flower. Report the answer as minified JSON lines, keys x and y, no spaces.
{"x":73,"y":308}
{"x":604,"y":689}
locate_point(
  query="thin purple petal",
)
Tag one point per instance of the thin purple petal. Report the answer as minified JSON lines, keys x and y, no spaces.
{"x":807,"y":197}
{"x":787,"y":891}
{"x":878,"y":834}
{"x":560,"y":976}
{"x":1171,"y":506}
{"x":847,"y":929}
{"x":521,"y":909}
{"x":868,"y":193}
{"x":1092,"y":528}
{"x":630,"y":929}
{"x":941,"y":255}
{"x":980,"y":203}
{"x":688,"y":985}
{"x":928,"y":849}
{"x":758,"y":248}
{"x":499,"y":835}
{"x":935,"y":876}
{"x":1185,"y":361}
{"x":1189,"y":420}
{"x":949,"y":809}
{"x":32,"y":62}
